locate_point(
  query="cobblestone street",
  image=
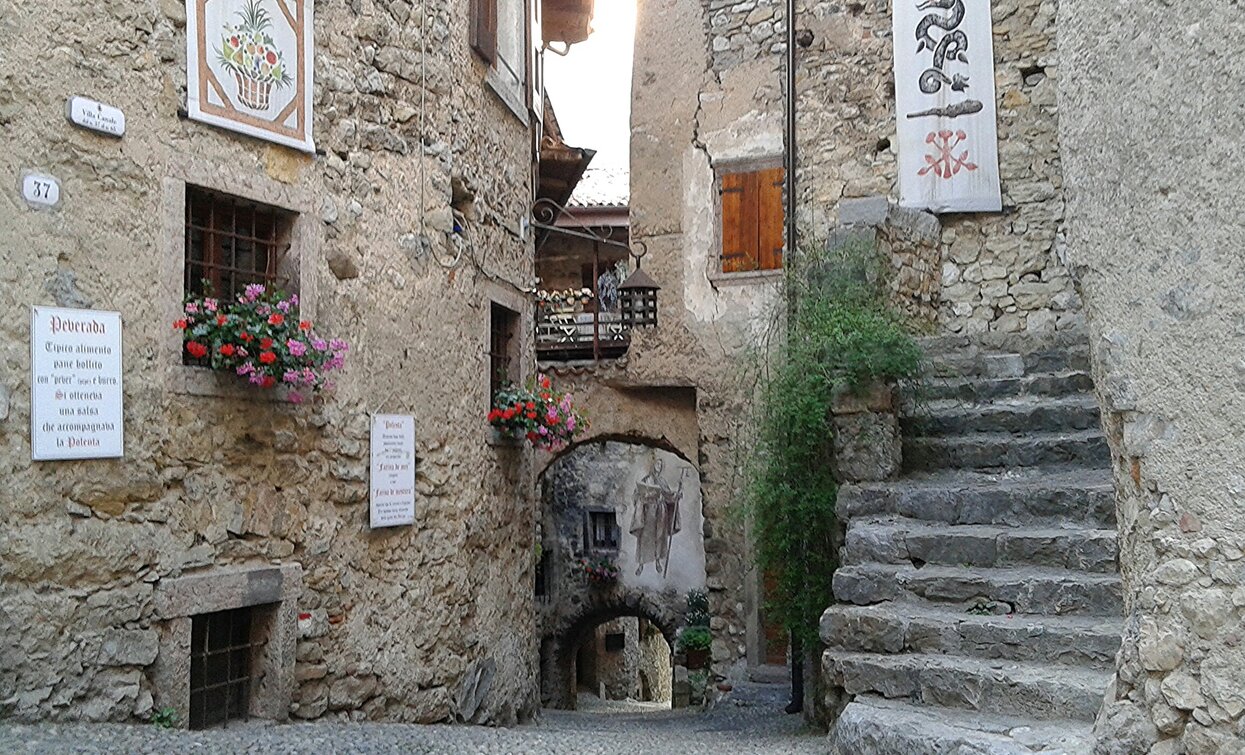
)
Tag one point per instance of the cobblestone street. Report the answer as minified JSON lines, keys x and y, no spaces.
{"x":750,"y":721}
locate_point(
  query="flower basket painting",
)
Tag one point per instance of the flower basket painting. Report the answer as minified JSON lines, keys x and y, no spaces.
{"x":249,"y":67}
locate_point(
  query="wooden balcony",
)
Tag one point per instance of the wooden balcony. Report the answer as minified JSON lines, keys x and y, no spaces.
{"x":569,"y":336}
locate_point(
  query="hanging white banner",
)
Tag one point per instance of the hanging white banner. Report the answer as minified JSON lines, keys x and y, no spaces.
{"x":944,"y":95}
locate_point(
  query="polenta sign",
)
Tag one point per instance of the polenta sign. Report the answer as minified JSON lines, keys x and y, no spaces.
{"x":249,"y":67}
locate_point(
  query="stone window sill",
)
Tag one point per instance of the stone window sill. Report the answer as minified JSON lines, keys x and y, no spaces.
{"x":202,"y":381}
{"x":753,"y":277}
{"x":512,"y":100}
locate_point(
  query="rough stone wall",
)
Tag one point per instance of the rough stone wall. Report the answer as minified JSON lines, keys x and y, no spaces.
{"x":619,"y":670}
{"x":1155,"y":232}
{"x":654,"y":665}
{"x":390,"y":621}
{"x":705,"y":95}
{"x":999,"y":271}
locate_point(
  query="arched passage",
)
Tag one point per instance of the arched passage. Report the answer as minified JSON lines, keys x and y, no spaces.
{"x":630,"y":507}
{"x":563,"y":641}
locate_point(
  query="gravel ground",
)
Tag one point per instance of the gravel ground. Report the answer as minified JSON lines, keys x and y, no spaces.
{"x":749,"y":721}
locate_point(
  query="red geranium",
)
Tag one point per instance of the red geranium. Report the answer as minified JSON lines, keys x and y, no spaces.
{"x":267,"y":357}
{"x":196,"y":349}
{"x":276,"y":318}
{"x":180,"y":325}
{"x":265,"y":343}
{"x":221,"y":319}
{"x":227,"y":350}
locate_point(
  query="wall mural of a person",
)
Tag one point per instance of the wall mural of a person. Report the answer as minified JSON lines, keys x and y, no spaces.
{"x":655,"y":518}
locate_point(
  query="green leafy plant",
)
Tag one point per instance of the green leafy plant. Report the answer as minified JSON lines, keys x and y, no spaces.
{"x":695,"y":638}
{"x":840,"y":335}
{"x":697,"y":608}
{"x":165,"y":718}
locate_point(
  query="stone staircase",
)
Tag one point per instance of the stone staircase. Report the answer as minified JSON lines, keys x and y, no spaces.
{"x":978,"y":600}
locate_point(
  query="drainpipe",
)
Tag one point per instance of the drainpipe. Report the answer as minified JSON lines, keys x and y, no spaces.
{"x":797,"y":651}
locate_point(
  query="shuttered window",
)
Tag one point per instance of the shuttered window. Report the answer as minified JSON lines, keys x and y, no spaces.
{"x":484,"y":29}
{"x":752,"y":220}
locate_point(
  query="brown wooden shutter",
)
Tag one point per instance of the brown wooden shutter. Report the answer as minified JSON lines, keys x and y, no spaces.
{"x":484,"y":29}
{"x":735,"y":231}
{"x":770,"y":234}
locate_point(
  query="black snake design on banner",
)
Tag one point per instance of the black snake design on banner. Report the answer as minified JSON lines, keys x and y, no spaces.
{"x":952,"y":47}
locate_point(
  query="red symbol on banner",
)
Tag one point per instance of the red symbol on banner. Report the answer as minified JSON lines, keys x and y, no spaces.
{"x":944,"y":162}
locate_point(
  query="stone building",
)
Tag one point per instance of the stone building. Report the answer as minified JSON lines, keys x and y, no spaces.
{"x":1012,"y":484}
{"x":403,"y":235}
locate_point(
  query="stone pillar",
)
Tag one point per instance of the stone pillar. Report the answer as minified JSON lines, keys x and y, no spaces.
{"x":1150,"y":104}
{"x":867,"y":445}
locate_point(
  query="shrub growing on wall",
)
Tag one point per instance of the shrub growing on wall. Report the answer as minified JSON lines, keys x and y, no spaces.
{"x":841,"y":334}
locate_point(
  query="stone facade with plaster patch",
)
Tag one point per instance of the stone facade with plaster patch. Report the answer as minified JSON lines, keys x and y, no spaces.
{"x":433,"y":622}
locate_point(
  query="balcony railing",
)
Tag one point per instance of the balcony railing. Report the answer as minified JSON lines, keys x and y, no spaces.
{"x":564,"y":336}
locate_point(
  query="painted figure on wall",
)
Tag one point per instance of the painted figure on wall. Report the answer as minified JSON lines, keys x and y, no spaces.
{"x":655,"y":518}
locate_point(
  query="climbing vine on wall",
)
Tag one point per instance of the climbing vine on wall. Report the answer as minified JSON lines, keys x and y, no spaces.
{"x":840,"y":335}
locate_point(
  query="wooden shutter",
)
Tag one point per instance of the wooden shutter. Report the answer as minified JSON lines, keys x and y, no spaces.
{"x":484,"y":29}
{"x":771,"y":232}
{"x":752,"y":221}
{"x":738,"y":234}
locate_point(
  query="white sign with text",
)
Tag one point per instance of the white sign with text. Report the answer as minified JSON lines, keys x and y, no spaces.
{"x":392,"y":495}
{"x":95,"y":116}
{"x":75,"y":384}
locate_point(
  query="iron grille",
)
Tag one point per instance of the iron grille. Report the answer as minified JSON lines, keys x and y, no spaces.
{"x":231,"y":243}
{"x":221,"y":649}
{"x":502,"y":326}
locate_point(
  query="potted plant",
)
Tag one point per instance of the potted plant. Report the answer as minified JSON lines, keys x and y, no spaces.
{"x":695,"y":639}
{"x":598,"y":571}
{"x":260,"y":337}
{"x":695,"y":643}
{"x":546,"y":418}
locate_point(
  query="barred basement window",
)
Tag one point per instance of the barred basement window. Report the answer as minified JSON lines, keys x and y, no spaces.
{"x":221,"y":649}
{"x":615,"y":642}
{"x":752,"y":220}
{"x":233,"y":242}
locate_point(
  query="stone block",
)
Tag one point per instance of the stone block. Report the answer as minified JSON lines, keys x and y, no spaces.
{"x":870,"y":211}
{"x":867,"y":446}
{"x":128,"y":647}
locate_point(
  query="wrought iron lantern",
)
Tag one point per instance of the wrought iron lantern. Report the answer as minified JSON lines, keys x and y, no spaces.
{"x":637,"y":297}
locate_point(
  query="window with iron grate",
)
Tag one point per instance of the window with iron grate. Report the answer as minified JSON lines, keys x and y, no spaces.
{"x":233,"y":242}
{"x":221,"y":651}
{"x":502,"y":352}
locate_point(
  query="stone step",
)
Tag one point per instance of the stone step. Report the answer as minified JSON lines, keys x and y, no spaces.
{"x":872,"y":725}
{"x":1035,"y":496}
{"x":989,"y":363}
{"x":995,"y":450}
{"x":917,"y":628}
{"x":1023,"y":591}
{"x":977,"y":389}
{"x":998,"y":687}
{"x":905,"y":541}
{"x":1018,"y":415}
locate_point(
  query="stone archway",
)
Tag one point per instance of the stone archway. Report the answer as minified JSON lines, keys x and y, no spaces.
{"x":561,"y":641}
{"x":633,"y":504}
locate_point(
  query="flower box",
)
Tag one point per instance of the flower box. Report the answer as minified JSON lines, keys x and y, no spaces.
{"x":259,"y":337}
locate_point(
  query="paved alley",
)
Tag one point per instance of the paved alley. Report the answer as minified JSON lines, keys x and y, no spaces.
{"x":748,"y":722}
